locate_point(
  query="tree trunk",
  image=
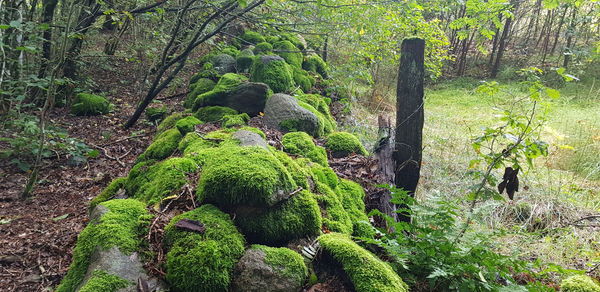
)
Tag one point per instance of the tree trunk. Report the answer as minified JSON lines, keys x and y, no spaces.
{"x":503,"y":41}
{"x":557,"y":35}
{"x":47,"y":18}
{"x":569,"y":43}
{"x":409,"y":117}
{"x":384,"y":151}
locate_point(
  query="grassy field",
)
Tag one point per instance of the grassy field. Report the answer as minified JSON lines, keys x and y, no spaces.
{"x":561,"y":188}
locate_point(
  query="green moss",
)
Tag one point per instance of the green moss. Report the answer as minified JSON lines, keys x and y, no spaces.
{"x":352,"y":197}
{"x":202,"y":262}
{"x":367,"y":272}
{"x":263,"y":48}
{"x":201,"y":86}
{"x":163,"y":145}
{"x":295,"y":39}
{"x":230,"y":50}
{"x":302,"y":79}
{"x":187,"y":140}
{"x":294,"y":218}
{"x":302,"y":144}
{"x":314,"y":63}
{"x":252,"y":37}
{"x":321,"y":173}
{"x":108,"y":192}
{"x":244,"y":60}
{"x":255,"y":130}
{"x":272,"y":39}
{"x":119,"y":227}
{"x":187,"y":124}
{"x":335,"y":217}
{"x":155,"y":114}
{"x":226,"y":84}
{"x":298,"y":173}
{"x":195,"y":149}
{"x":274,"y":72}
{"x":243,"y":175}
{"x":343,"y":144}
{"x":214,"y":113}
{"x":86,"y":104}
{"x":151,"y":183}
{"x":230,"y":121}
{"x":579,"y":283}
{"x":290,"y":53}
{"x":102,"y":281}
{"x":317,"y":104}
{"x":285,"y":262}
{"x":169,"y":122}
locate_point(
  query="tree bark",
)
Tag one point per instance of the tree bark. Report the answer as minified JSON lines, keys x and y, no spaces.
{"x":409,"y":117}
{"x":503,"y":41}
{"x":384,"y":152}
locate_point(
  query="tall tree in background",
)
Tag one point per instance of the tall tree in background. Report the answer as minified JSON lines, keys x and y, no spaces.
{"x":409,"y":116}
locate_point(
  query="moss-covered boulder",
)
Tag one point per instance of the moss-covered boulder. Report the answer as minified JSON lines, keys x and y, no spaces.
{"x":297,"y":217}
{"x":230,"y":121}
{"x":106,"y":247}
{"x":252,"y":37}
{"x":187,"y":124}
{"x":230,"y":50}
{"x":367,"y":272}
{"x":235,"y":92}
{"x":302,"y":79}
{"x":269,"y":269}
{"x":285,"y":113}
{"x":273,"y":71}
{"x":169,"y":122}
{"x":352,"y":196}
{"x":342,"y":144}
{"x":156,"y":113}
{"x":214,"y":113}
{"x":249,"y":137}
{"x":150,"y":183}
{"x":314,"y":63}
{"x":579,"y":283}
{"x":202,"y":261}
{"x":263,"y":48}
{"x":86,"y":104}
{"x":243,"y":176}
{"x":201,"y":86}
{"x":302,"y":144}
{"x":224,"y":63}
{"x":114,"y":187}
{"x":290,"y":53}
{"x":244,"y":60}
{"x":296,"y":39}
{"x":163,"y":145}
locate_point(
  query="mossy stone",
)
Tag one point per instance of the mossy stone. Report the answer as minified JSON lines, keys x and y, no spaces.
{"x":244,"y":60}
{"x":342,"y":144}
{"x":235,"y":92}
{"x":230,"y":121}
{"x":201,"y":86}
{"x":296,"y":39}
{"x":187,"y":124}
{"x":302,"y":144}
{"x":226,"y":84}
{"x":214,"y":113}
{"x":296,"y":217}
{"x":290,"y":53}
{"x":263,"y":48}
{"x":248,"y":176}
{"x":579,"y":283}
{"x":155,"y":114}
{"x":163,"y":145}
{"x":299,"y":174}
{"x":252,"y":37}
{"x":202,"y":261}
{"x":352,"y":196}
{"x":169,"y":122}
{"x":110,"y":191}
{"x":273,"y":71}
{"x":119,"y":227}
{"x":314,"y":63}
{"x":104,"y":282}
{"x":230,"y":50}
{"x":86,"y":104}
{"x":367,"y":272}
{"x":302,"y":79}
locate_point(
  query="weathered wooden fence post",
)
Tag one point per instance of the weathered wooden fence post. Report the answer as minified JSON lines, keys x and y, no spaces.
{"x":409,"y":117}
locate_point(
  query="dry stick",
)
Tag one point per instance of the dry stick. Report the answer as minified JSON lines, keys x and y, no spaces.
{"x":109,"y":156}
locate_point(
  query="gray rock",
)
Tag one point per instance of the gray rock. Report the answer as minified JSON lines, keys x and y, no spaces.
{"x":248,"y":138}
{"x":249,"y":97}
{"x":284,"y":113}
{"x":270,"y":58}
{"x":127,"y":267}
{"x":224,"y":63}
{"x":252,"y":274}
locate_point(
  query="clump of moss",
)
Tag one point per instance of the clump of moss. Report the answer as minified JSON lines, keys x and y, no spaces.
{"x":201,"y":86}
{"x":102,"y":281}
{"x":321,"y":173}
{"x":187,"y":124}
{"x":214,"y":113}
{"x":343,"y":144}
{"x":263,"y":48}
{"x":295,"y":39}
{"x":230,"y":50}
{"x":285,"y":262}
{"x":249,"y":176}
{"x":203,"y":262}
{"x":163,"y":145}
{"x":169,"y":122}
{"x":86,"y":104}
{"x":155,"y":114}
{"x":252,"y":37}
{"x":302,"y":144}
{"x":299,"y":174}
{"x":119,"y":227}
{"x":314,"y":63}
{"x":579,"y":283}
{"x":367,"y":272}
{"x":290,"y":53}
{"x":111,"y":190}
{"x":226,"y":84}
{"x":302,"y":79}
{"x":195,"y":148}
{"x":297,"y":217}
{"x":273,"y":71}
{"x":230,"y":121}
{"x":335,"y":217}
{"x":151,"y":183}
{"x":272,"y":39}
{"x":317,"y":104}
{"x":208,"y":70}
{"x":244,"y":60}
{"x":352,"y":197}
